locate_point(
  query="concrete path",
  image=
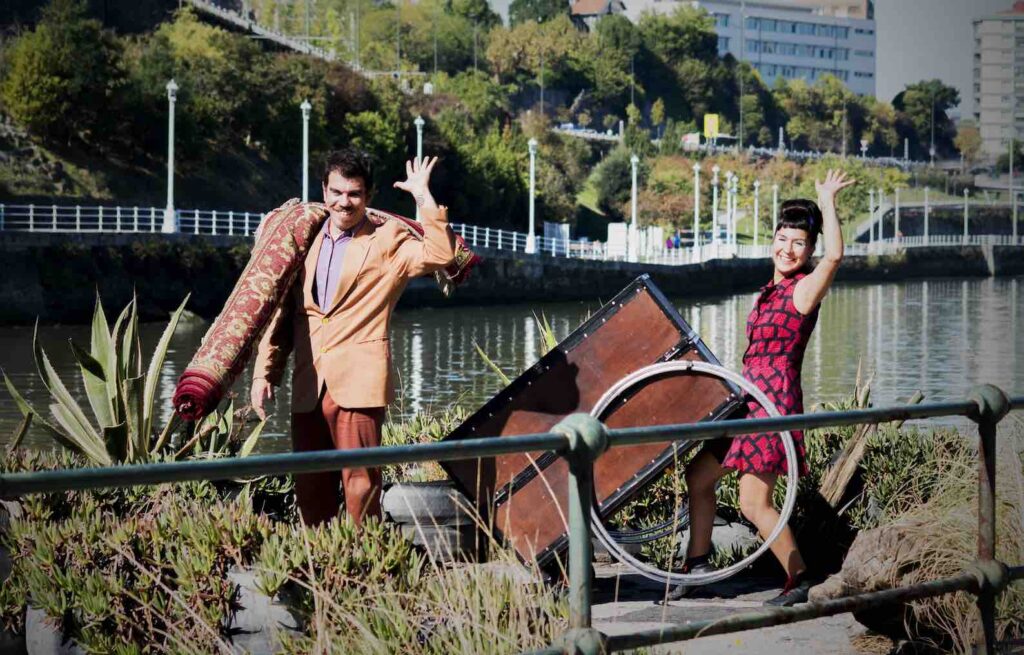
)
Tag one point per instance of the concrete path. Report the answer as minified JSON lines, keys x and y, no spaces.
{"x":626,"y":602}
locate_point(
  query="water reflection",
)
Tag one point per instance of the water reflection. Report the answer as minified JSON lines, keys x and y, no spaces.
{"x":939,"y":336}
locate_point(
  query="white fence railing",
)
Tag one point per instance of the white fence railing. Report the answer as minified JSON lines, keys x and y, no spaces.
{"x":117,"y":219}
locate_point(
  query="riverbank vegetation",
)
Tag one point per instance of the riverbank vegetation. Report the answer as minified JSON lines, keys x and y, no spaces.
{"x":167,"y":565}
{"x":237,"y":122}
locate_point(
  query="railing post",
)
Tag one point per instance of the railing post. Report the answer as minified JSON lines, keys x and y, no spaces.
{"x":247,"y":231}
{"x":231,"y":223}
{"x":78,"y":218}
{"x":993,"y":405}
{"x":135,"y":219}
{"x":587,"y":440}
{"x":99,"y":219}
{"x":117,"y":219}
{"x":213,"y":223}
{"x":2,"y":216}
{"x":966,"y":192}
{"x":195,"y":226}
{"x":487,"y":237}
{"x":31,"y":217}
{"x":152,"y":219}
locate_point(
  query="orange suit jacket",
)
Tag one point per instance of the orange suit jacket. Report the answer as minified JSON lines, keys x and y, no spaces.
{"x":347,"y":346}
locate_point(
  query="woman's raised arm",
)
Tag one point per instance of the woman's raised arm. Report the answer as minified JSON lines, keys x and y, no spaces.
{"x":810,"y":290}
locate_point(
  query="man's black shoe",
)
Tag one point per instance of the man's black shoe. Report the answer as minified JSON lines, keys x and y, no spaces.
{"x":794,"y":593}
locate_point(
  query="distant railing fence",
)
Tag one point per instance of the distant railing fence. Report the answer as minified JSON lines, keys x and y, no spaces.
{"x":121,"y":219}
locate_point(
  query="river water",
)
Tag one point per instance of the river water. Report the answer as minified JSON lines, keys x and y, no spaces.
{"x":939,"y":336}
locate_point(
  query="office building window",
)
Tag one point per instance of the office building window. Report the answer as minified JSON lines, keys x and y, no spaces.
{"x":721,"y":20}
{"x":723,"y":45}
{"x":863,"y":53}
{"x":752,"y":23}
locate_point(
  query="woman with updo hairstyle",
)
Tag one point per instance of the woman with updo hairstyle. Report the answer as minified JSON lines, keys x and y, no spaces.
{"x":778,"y":329}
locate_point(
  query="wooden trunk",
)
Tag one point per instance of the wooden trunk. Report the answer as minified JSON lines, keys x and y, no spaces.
{"x":524,"y":495}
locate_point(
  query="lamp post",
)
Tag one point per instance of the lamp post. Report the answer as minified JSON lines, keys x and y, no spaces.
{"x":419,"y":122}
{"x":633,"y":234}
{"x":696,"y":213}
{"x":169,"y":224}
{"x":863,"y":148}
{"x":926,"y":212}
{"x":757,"y":207}
{"x":735,"y":207}
{"x":531,"y":241}
{"x":966,"y":193}
{"x":871,"y":216}
{"x":931,"y":148}
{"x":775,"y":208}
{"x":305,"y":107}
{"x":714,"y":203}
{"x":896,"y":225}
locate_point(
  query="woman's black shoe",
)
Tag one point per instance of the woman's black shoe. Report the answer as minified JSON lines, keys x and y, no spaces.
{"x":794,"y":593}
{"x":693,"y":565}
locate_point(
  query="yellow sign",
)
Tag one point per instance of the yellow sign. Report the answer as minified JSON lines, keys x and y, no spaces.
{"x":710,"y":126}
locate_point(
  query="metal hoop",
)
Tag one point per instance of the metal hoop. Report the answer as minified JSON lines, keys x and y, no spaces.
{"x":792,"y":477}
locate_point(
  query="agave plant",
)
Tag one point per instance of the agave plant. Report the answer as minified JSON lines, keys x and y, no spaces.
{"x":121,"y":394}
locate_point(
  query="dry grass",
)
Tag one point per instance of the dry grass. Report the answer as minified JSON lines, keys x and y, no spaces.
{"x":944,"y":530}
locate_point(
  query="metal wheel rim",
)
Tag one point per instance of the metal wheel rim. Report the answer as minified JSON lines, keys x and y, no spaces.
{"x":792,"y":475}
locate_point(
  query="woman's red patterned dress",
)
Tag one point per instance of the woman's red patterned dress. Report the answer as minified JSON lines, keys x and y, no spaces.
{"x":778,"y":336}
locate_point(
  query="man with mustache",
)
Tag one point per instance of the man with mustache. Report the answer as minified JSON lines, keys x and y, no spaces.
{"x":337,"y":319}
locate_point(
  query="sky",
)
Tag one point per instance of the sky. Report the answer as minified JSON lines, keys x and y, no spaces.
{"x":926,"y":39}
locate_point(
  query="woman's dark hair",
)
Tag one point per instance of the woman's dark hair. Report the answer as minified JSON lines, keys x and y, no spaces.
{"x":800,"y":214}
{"x":350,"y":163}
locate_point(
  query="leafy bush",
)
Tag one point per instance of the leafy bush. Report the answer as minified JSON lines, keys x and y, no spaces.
{"x":60,"y":77}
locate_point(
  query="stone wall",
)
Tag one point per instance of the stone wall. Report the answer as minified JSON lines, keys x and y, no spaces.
{"x":56,"y":276}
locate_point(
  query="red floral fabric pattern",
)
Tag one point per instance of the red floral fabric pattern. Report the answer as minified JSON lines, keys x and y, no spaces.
{"x":778,"y":335}
{"x":280,"y":249}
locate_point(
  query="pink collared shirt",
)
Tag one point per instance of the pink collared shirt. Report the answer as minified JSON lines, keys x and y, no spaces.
{"x":328,"y":264}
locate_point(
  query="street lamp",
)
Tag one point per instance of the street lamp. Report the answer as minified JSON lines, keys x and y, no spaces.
{"x":633,"y":161}
{"x":714,"y":203}
{"x":696,"y":212}
{"x":757,"y":207}
{"x":531,"y":241}
{"x":419,"y":122}
{"x":169,"y":224}
{"x":863,"y":148}
{"x":735,"y":206}
{"x":871,"y":216}
{"x":775,"y":208}
{"x":931,"y":149}
{"x":305,"y":107}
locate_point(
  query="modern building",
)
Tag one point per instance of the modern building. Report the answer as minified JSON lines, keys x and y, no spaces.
{"x":790,"y":39}
{"x":999,"y":79}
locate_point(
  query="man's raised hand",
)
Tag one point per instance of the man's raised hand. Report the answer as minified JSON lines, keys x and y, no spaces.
{"x":417,"y":180}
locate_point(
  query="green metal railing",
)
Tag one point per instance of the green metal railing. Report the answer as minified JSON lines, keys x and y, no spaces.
{"x":581,"y":439}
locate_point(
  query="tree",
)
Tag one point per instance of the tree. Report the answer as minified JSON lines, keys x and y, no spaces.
{"x":62,"y":75}
{"x":477,"y":12}
{"x":968,"y":142}
{"x":686,"y":33}
{"x":522,"y":11}
{"x":658,"y":112}
{"x":916,"y":102}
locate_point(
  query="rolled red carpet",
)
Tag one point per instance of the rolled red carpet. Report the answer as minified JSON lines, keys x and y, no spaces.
{"x":284,"y":238}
